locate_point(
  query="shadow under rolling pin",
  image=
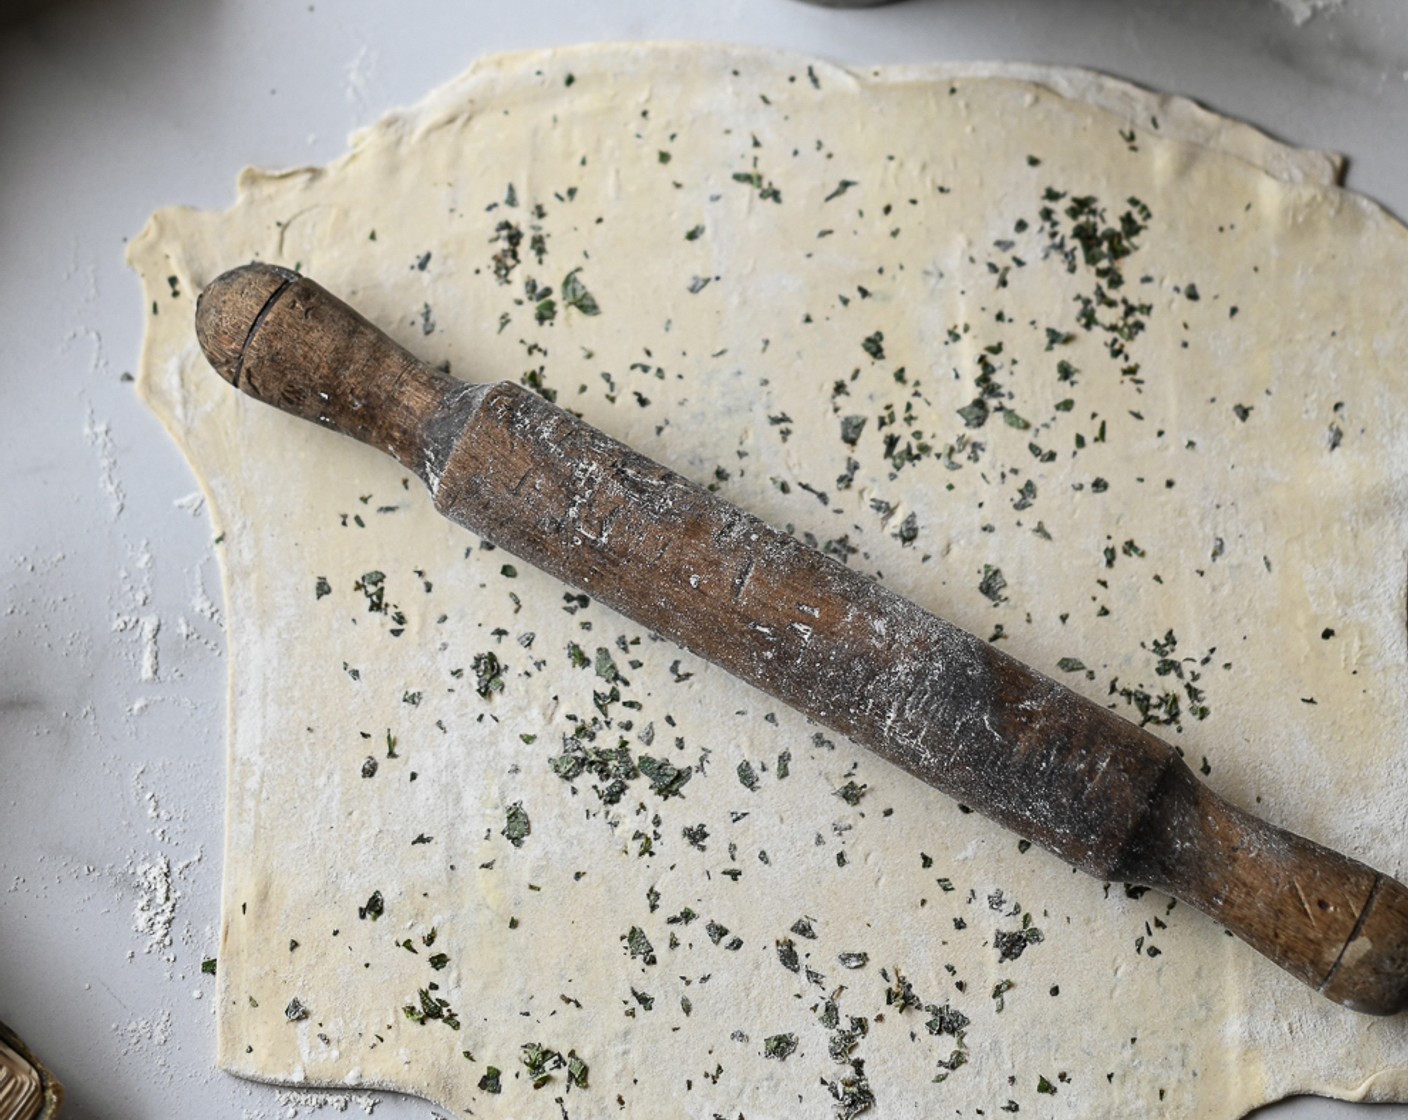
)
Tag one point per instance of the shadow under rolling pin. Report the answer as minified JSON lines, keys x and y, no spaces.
{"x":1022,"y":749}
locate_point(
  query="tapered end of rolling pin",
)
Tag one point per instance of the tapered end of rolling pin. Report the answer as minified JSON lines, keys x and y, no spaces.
{"x":284,"y":340}
{"x":230,"y":309}
{"x":1372,"y":972}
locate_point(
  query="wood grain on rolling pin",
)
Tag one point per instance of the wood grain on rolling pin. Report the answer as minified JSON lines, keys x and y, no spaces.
{"x":1018,"y":747}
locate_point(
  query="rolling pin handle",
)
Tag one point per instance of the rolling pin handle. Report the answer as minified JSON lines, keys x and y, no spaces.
{"x":288,"y":342}
{"x":229,"y":311}
{"x":1332,"y":922}
{"x":1371,"y":974}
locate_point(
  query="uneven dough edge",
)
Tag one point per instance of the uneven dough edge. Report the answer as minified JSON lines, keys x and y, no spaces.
{"x":1179,"y":117}
{"x":441,"y":109}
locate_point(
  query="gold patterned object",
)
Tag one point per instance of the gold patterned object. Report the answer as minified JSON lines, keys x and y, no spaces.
{"x":28,"y":1091}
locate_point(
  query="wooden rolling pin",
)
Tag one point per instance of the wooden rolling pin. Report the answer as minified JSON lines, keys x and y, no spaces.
{"x":1026,"y":751}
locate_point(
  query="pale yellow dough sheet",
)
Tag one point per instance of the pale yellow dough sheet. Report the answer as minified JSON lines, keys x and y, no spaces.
{"x":1095,"y":374}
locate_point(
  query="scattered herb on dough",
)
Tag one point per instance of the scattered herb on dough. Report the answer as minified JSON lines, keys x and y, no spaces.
{"x":517,"y":826}
{"x":747,"y":777}
{"x":841,"y":188}
{"x":574,"y":294}
{"x":541,"y":1063}
{"x":488,"y":674}
{"x":992,"y":584}
{"x":779,"y":1046}
{"x":851,"y":793}
{"x":639,"y":945}
{"x":666,"y":779}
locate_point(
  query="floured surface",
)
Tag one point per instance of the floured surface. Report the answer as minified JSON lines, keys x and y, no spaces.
{"x":869,"y":307}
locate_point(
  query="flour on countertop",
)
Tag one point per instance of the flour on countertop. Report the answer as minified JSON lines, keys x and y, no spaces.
{"x":201,"y":601}
{"x":156,"y":904}
{"x":147,"y":629}
{"x":1302,"y":11}
{"x":148,"y":1039}
{"x":361,"y":72}
{"x":193,"y":503}
{"x":98,"y":433}
{"x":303,"y":1102}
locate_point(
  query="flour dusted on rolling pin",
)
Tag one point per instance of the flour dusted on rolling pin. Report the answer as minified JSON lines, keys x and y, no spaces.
{"x":596,"y":817}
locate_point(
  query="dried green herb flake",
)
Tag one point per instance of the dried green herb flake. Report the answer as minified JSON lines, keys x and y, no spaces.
{"x":779,"y":1046}
{"x":516,"y":825}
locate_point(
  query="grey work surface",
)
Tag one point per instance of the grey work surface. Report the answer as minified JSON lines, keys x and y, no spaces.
{"x":112,"y":666}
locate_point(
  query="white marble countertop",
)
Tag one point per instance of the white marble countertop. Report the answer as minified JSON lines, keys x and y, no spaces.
{"x":112,"y":663}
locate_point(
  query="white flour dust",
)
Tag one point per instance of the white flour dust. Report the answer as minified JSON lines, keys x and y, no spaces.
{"x":299,"y":1102}
{"x":193,"y":503}
{"x":147,"y":1041}
{"x":147,"y":628}
{"x":155,"y":911}
{"x":361,"y":72}
{"x":98,"y":433}
{"x":135,"y":618}
{"x":1302,"y":11}
{"x":157,"y":877}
